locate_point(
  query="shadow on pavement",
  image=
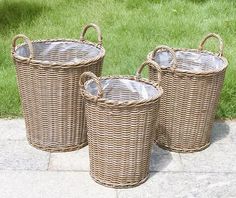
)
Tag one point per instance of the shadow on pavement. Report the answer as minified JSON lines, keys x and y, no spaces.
{"x":220,"y":131}
{"x":159,"y":159}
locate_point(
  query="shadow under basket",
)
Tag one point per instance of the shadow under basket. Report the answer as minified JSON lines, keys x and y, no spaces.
{"x":121,"y":114}
{"x":48,"y":73}
{"x":192,"y":80}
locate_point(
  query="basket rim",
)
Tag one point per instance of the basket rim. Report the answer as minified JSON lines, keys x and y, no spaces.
{"x":80,"y":63}
{"x":177,"y":70}
{"x":125,"y":103}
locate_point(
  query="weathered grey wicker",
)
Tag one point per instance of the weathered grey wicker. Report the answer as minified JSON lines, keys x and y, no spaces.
{"x":48,"y":73}
{"x":121,"y":127}
{"x":192,"y":80}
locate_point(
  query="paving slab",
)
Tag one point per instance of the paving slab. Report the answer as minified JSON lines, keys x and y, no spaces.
{"x":28,"y":172}
{"x":76,"y":160}
{"x":51,"y":184}
{"x":184,"y":185}
{"x":12,"y":129}
{"x":216,"y":158}
{"x":162,"y":160}
{"x":224,"y":132}
{"x":19,"y":155}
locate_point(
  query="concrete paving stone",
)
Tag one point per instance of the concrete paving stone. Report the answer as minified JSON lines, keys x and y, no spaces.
{"x":184,"y":185}
{"x":19,"y":155}
{"x":51,"y":184}
{"x":76,"y":160}
{"x":12,"y":129}
{"x":216,"y":158}
{"x":224,"y":132}
{"x":23,"y":169}
{"x":162,"y":160}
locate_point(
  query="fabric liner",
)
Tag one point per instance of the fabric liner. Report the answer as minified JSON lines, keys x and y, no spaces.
{"x":122,"y":89}
{"x":52,"y":51}
{"x":190,"y":61}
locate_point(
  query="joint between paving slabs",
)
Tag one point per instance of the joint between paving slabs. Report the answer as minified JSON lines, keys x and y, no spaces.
{"x":181,"y":161}
{"x":49,"y":158}
{"x":117,"y":193}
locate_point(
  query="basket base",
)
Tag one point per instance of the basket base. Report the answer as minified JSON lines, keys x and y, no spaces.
{"x":119,"y":186}
{"x":178,"y":150}
{"x":58,"y":150}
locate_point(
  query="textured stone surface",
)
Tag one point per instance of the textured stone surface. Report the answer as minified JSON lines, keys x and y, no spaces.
{"x":162,"y":160}
{"x":51,"y":184}
{"x":224,"y":132}
{"x":216,"y":158}
{"x":197,"y":185}
{"x":28,"y":172}
{"x":18,"y":155}
{"x":76,"y":160}
{"x":12,"y":129}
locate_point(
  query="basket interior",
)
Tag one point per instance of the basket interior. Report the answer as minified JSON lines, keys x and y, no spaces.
{"x":191,"y":61}
{"x":123,"y":89}
{"x":59,"y":51}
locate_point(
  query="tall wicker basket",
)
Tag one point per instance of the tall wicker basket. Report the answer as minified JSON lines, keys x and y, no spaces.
{"x":48,"y":73}
{"x":192,"y":80}
{"x":121,"y":127}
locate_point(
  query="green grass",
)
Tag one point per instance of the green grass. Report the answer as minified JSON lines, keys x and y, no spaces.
{"x":130,"y":30}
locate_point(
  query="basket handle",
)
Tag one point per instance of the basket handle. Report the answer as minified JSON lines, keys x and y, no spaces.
{"x":96,"y":28}
{"x":152,"y":64}
{"x":213,"y":35}
{"x":27,"y":40}
{"x":89,"y":75}
{"x":159,"y":48}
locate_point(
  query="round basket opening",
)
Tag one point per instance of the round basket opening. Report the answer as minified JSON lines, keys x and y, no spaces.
{"x":123,"y":89}
{"x":191,"y":61}
{"x":59,"y":51}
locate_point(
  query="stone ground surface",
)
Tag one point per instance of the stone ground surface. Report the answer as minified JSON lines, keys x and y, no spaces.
{"x":26,"y":172}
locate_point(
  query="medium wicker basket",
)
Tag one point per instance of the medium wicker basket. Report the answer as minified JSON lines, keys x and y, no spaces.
{"x":48,"y":73}
{"x":192,"y":80}
{"x":121,"y":127}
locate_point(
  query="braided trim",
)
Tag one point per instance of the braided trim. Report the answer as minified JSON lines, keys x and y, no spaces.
{"x":123,"y":104}
{"x":49,"y":64}
{"x":179,"y":72}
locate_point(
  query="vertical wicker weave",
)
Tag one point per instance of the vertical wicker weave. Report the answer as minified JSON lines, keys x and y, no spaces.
{"x":189,"y":102}
{"x":49,"y":88}
{"x":120,"y":133}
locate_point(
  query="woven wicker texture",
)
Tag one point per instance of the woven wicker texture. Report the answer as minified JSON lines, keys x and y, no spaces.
{"x":48,"y":75}
{"x":192,"y":80}
{"x":120,"y":132}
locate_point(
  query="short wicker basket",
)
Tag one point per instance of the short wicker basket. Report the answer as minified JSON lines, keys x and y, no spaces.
{"x":192,"y":80}
{"x":121,"y":129}
{"x":48,"y":73}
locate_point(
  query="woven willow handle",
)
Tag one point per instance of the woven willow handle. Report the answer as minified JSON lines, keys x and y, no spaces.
{"x":161,"y":48}
{"x":152,"y":64}
{"x":89,"y":75}
{"x":213,"y":35}
{"x":96,"y":28}
{"x":27,"y":40}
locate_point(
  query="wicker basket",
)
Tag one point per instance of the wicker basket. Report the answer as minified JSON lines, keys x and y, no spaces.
{"x":121,"y":127}
{"x":192,"y":80}
{"x":48,"y":73}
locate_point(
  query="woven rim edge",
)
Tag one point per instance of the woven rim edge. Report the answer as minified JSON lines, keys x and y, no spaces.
{"x":106,"y":102}
{"x":168,"y":69}
{"x":69,"y":64}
